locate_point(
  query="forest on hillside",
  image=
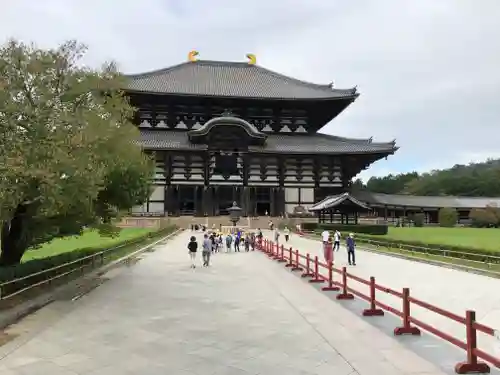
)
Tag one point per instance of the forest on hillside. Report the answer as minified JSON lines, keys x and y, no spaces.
{"x":475,"y":179}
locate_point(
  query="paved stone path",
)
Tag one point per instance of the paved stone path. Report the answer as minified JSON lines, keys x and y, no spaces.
{"x":453,"y":290}
{"x":243,"y":315}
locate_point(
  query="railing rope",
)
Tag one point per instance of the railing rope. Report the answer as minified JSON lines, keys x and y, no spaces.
{"x":407,"y":328}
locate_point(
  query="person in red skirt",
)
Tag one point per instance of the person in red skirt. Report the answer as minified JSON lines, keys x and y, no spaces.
{"x":328,"y":250}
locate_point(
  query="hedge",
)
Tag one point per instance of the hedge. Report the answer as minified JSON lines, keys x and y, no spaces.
{"x":423,"y":247}
{"x":41,"y":264}
{"x":373,"y":229}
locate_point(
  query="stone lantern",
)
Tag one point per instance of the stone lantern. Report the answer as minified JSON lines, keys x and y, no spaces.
{"x":234,"y":213}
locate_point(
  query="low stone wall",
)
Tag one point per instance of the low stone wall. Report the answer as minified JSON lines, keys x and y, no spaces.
{"x":140,"y":222}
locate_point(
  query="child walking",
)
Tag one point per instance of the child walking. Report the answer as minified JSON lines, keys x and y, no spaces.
{"x":193,"y":248}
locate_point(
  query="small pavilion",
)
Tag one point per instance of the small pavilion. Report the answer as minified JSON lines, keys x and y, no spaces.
{"x":339,"y":209}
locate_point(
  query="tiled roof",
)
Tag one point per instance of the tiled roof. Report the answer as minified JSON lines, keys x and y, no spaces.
{"x":276,"y":143}
{"x":231,"y":79}
{"x":426,"y":201}
{"x":335,"y":200}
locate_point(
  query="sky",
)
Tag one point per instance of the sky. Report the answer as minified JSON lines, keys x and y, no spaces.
{"x":428,"y":70}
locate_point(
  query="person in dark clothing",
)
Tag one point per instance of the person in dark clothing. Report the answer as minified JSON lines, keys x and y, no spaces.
{"x":193,"y":248}
{"x":237,"y":240}
{"x":252,"y":241}
{"x":351,"y":246}
{"x":247,"y":243}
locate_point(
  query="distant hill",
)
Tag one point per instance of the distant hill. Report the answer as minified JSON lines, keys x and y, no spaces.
{"x":475,"y":179}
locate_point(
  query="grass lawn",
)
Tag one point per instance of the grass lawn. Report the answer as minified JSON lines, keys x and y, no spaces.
{"x":480,"y":238}
{"x":88,"y":239}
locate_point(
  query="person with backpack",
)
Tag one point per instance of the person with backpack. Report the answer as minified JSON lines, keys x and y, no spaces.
{"x":192,"y":249}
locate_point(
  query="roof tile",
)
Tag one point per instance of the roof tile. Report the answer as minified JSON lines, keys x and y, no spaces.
{"x":291,"y":144}
{"x":231,"y":79}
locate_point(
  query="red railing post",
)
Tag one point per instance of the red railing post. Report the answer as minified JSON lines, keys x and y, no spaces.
{"x":372,"y":311}
{"x":308,"y":272}
{"x":290,"y":258}
{"x":345,"y":294}
{"x":472,"y":366}
{"x":270,"y":253}
{"x":281,"y":258}
{"x":330,"y":285}
{"x":297,"y":266}
{"x":316,"y":278}
{"x":407,"y":328}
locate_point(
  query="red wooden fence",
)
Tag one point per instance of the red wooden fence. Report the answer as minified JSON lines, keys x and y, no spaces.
{"x":312,"y":267}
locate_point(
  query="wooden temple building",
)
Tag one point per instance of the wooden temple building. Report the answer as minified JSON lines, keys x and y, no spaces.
{"x":235,"y":131}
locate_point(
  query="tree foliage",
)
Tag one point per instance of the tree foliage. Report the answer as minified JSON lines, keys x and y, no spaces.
{"x":485,"y":217}
{"x":447,"y":217}
{"x":475,"y":179}
{"x":68,"y":157}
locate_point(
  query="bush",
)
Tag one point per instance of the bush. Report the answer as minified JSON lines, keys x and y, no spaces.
{"x":447,"y":217}
{"x":41,"y":264}
{"x":485,"y":217}
{"x":374,"y":229}
{"x":418,"y":219}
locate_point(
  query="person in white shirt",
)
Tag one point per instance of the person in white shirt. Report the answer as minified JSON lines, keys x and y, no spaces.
{"x":324,"y":237}
{"x":286,"y":232}
{"x":336,"y":240}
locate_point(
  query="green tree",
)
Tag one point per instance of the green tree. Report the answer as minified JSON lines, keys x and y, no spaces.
{"x":447,"y":217}
{"x":391,"y":184}
{"x":68,"y":152}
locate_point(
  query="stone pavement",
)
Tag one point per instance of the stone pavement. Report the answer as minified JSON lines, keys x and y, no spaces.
{"x":243,"y":315}
{"x":452,"y":290}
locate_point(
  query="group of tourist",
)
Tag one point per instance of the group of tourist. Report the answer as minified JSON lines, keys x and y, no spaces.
{"x":330,"y":245}
{"x":214,"y":242}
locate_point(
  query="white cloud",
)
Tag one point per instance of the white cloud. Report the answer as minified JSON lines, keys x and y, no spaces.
{"x":427,"y":70}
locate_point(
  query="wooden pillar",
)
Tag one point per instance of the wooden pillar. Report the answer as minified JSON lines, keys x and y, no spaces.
{"x":272,"y":211}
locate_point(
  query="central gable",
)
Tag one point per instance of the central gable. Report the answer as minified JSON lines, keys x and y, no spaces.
{"x":227,"y":132}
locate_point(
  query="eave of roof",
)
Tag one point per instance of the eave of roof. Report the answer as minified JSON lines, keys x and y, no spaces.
{"x":231,"y":79}
{"x":416,"y":201}
{"x":333,"y":201}
{"x":275,"y":143}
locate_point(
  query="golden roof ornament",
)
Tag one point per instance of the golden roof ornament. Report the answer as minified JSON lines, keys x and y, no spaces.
{"x":252,"y":60}
{"x":192,"y":56}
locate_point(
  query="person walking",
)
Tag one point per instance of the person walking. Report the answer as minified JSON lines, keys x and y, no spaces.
{"x":325,"y":237}
{"x":286,"y":232}
{"x":192,"y":248}
{"x":207,"y":250}
{"x":247,"y":243}
{"x":237,"y":242}
{"x":229,"y":241}
{"x":328,"y":251}
{"x":351,"y":246}
{"x":336,"y":240}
